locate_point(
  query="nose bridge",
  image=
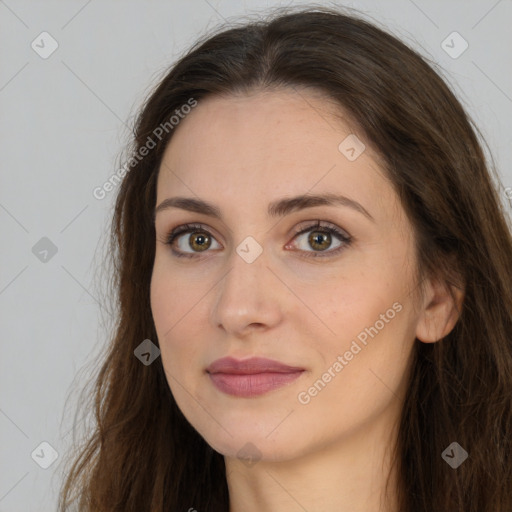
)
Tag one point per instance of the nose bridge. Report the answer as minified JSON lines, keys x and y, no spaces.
{"x":246,"y":273}
{"x":244,"y":295}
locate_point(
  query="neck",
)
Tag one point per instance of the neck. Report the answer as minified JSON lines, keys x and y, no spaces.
{"x":348,"y":476}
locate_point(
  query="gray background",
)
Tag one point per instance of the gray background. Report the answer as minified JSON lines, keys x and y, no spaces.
{"x":62,"y":127}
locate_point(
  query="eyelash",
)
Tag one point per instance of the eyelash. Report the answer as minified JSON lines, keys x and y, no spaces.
{"x":330,"y":229}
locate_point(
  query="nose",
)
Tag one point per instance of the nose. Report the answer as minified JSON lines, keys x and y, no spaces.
{"x":247,"y":297}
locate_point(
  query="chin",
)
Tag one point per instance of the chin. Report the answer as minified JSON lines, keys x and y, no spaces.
{"x":250,"y":450}
{"x":251,"y":444}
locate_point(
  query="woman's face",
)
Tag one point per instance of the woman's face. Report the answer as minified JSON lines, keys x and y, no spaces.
{"x":339,"y":312}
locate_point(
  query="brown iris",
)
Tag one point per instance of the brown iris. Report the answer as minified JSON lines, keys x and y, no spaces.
{"x":316,"y":238}
{"x":199,"y":241}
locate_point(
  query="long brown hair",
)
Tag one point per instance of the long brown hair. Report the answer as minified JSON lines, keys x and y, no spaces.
{"x":143,"y":455}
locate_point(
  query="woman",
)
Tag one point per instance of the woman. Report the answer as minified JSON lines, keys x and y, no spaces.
{"x":313,"y":269}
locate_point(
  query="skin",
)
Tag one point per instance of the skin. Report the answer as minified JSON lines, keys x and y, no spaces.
{"x":241,"y":153}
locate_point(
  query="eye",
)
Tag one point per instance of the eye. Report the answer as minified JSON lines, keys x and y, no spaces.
{"x":320,"y":238}
{"x":200,"y":240}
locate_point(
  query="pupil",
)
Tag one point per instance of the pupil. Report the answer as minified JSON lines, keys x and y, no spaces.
{"x":320,"y":238}
{"x":199,"y":240}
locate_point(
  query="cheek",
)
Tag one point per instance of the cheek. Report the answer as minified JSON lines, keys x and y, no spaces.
{"x":348,"y":305}
{"x":368,"y":320}
{"x":358,"y":380}
{"x":171,"y":296}
{"x":163,"y":304}
{"x":175,"y":307}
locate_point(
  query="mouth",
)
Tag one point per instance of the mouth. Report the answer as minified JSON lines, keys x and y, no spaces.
{"x":251,"y":377}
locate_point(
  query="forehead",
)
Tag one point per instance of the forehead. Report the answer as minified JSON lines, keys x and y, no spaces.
{"x":269,"y":144}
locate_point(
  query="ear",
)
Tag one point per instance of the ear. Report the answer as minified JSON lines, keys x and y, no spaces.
{"x":440,"y":311}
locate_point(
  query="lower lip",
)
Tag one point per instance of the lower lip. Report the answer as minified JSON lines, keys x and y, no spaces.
{"x":251,"y":385}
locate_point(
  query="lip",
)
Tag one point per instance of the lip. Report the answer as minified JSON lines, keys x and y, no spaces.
{"x":250,"y":366}
{"x":251,"y":377}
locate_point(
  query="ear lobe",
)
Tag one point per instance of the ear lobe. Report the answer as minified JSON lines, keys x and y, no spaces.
{"x":440,"y":312}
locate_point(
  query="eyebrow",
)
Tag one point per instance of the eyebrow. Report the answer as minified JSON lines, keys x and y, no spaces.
{"x":277,"y":208}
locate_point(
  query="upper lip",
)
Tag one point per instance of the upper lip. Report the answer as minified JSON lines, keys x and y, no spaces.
{"x":250,"y":366}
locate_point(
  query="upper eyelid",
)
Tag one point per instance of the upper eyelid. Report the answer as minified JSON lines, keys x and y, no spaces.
{"x":303,"y":226}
